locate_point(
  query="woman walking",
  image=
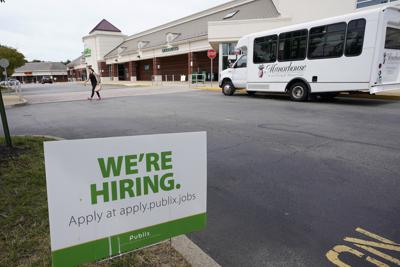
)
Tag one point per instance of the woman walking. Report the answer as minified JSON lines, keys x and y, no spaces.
{"x":94,"y":80}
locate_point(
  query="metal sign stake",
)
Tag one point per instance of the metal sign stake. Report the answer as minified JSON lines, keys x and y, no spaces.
{"x":212,"y":74}
{"x":4,"y":121}
{"x":4,"y":63}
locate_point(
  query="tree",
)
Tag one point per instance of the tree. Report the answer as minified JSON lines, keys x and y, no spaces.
{"x":66,"y":62}
{"x":36,"y":61}
{"x":16,"y":59}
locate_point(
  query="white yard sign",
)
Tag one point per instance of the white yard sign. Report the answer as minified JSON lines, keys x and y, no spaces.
{"x":112,"y":195}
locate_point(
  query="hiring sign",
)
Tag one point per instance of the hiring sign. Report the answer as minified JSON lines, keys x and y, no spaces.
{"x":112,"y":195}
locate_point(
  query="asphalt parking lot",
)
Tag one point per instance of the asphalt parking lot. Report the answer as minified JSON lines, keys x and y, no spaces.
{"x":287,"y":182}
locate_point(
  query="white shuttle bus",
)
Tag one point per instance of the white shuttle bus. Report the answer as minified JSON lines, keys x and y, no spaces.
{"x":354,"y":52}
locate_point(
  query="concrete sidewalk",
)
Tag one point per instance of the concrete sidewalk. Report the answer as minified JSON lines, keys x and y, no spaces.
{"x":388,"y":95}
{"x":105,"y":94}
{"x":391,"y":93}
{"x":145,"y":83}
{"x":13,"y":100}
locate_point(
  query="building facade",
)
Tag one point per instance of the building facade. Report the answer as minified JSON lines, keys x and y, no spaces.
{"x":177,"y":51}
{"x":34,"y":72}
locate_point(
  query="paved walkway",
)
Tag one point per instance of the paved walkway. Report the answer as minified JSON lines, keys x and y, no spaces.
{"x":12,"y":100}
{"x":106,"y":93}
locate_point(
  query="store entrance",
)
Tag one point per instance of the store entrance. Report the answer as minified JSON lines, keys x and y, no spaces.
{"x":122,"y":72}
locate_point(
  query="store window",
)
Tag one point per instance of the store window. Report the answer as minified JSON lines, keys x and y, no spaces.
{"x":228,"y":49}
{"x":327,"y":41}
{"x":366,"y":3}
{"x":355,"y":37}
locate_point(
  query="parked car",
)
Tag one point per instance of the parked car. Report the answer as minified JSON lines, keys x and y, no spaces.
{"x":46,"y":79}
{"x":10,"y":82}
{"x":14,"y":82}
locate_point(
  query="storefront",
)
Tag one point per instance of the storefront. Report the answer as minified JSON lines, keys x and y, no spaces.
{"x":36,"y":72}
{"x":77,"y":70}
{"x":177,"y":50}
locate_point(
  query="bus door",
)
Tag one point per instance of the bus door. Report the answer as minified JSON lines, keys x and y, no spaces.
{"x":239,"y":74}
{"x":389,"y":68}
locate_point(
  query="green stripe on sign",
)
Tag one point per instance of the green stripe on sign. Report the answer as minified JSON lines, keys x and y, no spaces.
{"x":114,"y":245}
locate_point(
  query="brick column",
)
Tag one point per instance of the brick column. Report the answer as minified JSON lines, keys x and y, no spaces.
{"x":156,"y":62}
{"x":190,"y":64}
{"x":133,"y":67}
{"x":114,"y":70}
{"x":130,"y":70}
{"x":103,"y":69}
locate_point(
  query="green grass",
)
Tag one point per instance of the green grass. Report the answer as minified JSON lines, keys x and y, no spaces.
{"x":24,"y":223}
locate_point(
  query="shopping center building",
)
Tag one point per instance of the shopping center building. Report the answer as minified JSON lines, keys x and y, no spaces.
{"x":33,"y":72}
{"x":176,"y":50}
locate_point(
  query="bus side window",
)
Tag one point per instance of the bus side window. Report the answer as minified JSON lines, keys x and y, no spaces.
{"x":292,"y":45}
{"x":265,"y":49}
{"x":327,"y":41}
{"x":355,"y":37}
{"x":392,"y":38}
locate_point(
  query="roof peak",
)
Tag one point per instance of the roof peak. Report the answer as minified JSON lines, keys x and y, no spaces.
{"x":105,"y":25}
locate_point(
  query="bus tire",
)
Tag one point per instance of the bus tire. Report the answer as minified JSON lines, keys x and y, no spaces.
{"x":298,"y":91}
{"x":227,"y":88}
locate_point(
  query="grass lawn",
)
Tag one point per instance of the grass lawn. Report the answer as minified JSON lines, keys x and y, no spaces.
{"x":24,"y":223}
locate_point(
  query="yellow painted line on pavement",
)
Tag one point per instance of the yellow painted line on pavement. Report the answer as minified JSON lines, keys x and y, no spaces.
{"x":368,"y":96}
{"x":373,"y":244}
{"x":368,"y":247}
{"x":375,"y":236}
{"x":207,"y":88}
{"x":380,"y":254}
{"x":238,"y":92}
{"x":333,"y":255}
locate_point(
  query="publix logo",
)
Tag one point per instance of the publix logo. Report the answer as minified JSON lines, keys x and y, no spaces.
{"x":277,"y":68}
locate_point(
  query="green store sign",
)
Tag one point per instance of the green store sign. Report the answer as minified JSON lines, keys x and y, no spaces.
{"x":87,"y":52}
{"x":170,"y":49}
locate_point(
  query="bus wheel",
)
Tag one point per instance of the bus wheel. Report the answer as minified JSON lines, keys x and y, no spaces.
{"x":298,"y":92}
{"x":228,"y":88}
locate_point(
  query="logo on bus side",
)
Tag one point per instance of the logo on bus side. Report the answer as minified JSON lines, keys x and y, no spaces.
{"x":277,"y":68}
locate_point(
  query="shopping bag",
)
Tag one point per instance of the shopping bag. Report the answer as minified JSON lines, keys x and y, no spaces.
{"x":98,"y":87}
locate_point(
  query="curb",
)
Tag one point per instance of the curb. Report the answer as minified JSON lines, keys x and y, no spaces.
{"x":193,"y":253}
{"x":368,"y":96}
{"x":127,"y":84}
{"x":23,"y":103}
{"x":207,"y":88}
{"x":47,"y":136}
{"x":365,"y":96}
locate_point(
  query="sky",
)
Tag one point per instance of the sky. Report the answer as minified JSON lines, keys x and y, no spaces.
{"x":52,"y":30}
